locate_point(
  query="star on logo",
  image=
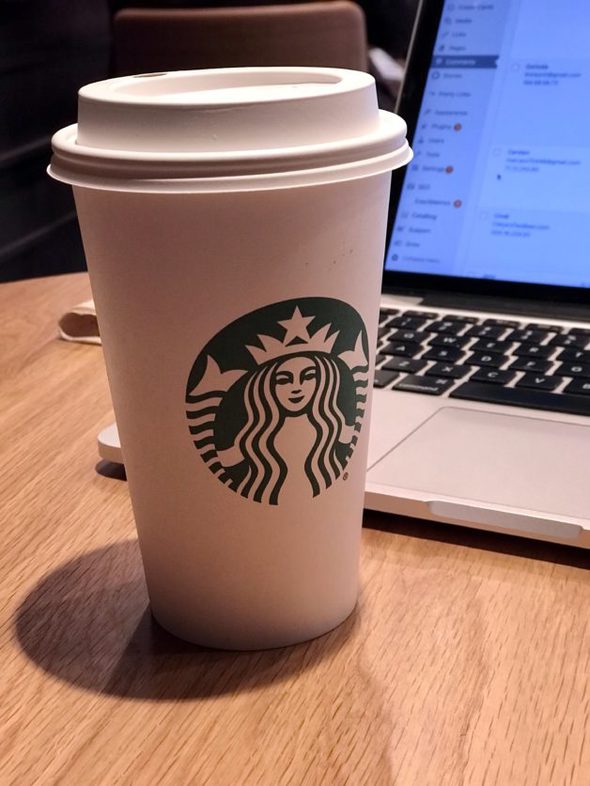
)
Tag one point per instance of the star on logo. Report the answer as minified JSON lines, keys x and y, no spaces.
{"x":296,"y":327}
{"x":216,"y":379}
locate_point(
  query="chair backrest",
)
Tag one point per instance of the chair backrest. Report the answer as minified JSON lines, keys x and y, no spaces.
{"x":316,"y":34}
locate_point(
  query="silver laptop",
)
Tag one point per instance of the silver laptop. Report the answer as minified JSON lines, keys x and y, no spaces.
{"x":482,"y":400}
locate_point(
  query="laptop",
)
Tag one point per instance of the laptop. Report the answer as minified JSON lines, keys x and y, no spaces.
{"x":482,"y":385}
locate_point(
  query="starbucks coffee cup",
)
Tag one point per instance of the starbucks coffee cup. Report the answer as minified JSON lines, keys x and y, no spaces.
{"x":234,"y":224}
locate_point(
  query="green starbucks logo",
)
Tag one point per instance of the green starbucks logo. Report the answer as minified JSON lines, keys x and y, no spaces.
{"x":275,"y":401}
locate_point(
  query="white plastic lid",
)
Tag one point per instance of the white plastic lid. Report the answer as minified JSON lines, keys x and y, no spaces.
{"x":228,"y":129}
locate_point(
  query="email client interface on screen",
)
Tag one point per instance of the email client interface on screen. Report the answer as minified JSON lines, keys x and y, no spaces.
{"x":500,"y":184}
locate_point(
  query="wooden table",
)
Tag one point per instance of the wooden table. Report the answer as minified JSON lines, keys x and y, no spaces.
{"x":467,"y":662}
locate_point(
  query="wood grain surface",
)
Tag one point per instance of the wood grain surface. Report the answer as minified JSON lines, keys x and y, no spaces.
{"x":466,"y":663}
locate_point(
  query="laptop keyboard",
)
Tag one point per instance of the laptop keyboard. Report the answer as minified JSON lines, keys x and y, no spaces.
{"x":496,"y":361}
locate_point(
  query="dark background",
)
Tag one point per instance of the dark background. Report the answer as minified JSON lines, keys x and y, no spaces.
{"x":48,"y":50}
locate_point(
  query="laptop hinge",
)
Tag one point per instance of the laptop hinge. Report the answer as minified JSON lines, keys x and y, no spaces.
{"x":529,"y":308}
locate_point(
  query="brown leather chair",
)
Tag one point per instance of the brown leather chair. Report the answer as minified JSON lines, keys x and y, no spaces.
{"x":315,"y":34}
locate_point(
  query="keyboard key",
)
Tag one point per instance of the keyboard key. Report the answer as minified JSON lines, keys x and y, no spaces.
{"x":448,"y":370}
{"x":410,"y":323}
{"x":493,"y":375}
{"x":447,"y":326}
{"x":523,"y":397}
{"x":379,"y":359}
{"x":433,"y":386}
{"x":487,"y":359}
{"x":576,"y":331}
{"x":447,"y":340}
{"x":460,"y":318}
{"x":569,"y":340}
{"x":423,"y":314}
{"x":531,"y":364}
{"x":490,"y":345}
{"x":404,"y":364}
{"x":527,"y":336}
{"x":534,"y":351}
{"x":545,"y":328}
{"x":574,"y":354}
{"x":574,"y":370}
{"x":579,"y":387}
{"x":405,"y":349}
{"x":509,"y":323}
{"x":383,"y":331}
{"x":386,"y":313}
{"x":486,"y":331}
{"x":383,"y":378}
{"x":443,"y":353}
{"x":416,"y":336}
{"x":539,"y":381}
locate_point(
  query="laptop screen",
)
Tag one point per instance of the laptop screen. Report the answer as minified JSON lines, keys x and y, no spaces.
{"x":499,"y":187}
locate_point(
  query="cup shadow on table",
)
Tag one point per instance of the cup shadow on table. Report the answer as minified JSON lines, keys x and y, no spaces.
{"x":88,"y":623}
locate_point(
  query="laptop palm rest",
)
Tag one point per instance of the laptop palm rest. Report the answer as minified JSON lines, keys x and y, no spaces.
{"x":466,"y":464}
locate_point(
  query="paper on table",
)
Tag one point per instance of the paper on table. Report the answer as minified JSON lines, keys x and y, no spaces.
{"x":80,"y":324}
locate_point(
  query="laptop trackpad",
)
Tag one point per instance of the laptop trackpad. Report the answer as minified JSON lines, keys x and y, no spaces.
{"x":522,"y":462}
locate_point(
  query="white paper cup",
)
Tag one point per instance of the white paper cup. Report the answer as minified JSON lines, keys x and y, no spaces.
{"x":234,"y":225}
